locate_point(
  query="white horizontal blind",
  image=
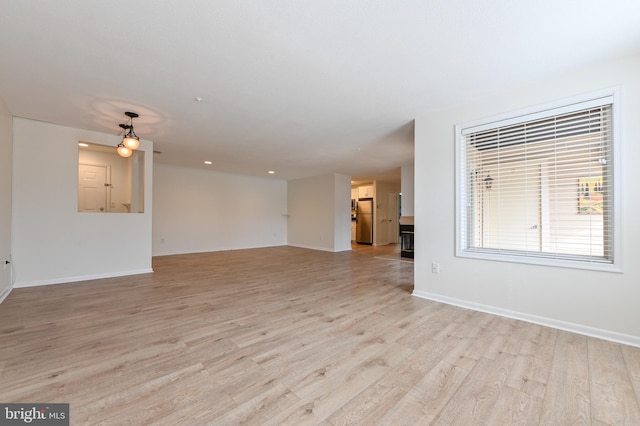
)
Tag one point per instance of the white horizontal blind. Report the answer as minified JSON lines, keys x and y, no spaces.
{"x":541,"y":187}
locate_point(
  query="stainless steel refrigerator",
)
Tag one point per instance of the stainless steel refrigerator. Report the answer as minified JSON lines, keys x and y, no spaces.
{"x":364,"y":222}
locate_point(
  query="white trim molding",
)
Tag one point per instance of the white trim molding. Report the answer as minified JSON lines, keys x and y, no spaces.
{"x":612,"y":336}
{"x":469,"y":209}
{"x":5,"y":293}
{"x":310,"y":247}
{"x":65,"y":280}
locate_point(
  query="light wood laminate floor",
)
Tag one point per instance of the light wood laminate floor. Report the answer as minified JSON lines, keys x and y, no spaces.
{"x":292,"y":336}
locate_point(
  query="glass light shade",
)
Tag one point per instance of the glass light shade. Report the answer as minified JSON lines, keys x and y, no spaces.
{"x":131,"y":142}
{"x":123,"y":151}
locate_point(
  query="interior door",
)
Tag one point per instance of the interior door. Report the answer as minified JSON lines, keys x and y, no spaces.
{"x":93,"y":188}
{"x":393,"y":217}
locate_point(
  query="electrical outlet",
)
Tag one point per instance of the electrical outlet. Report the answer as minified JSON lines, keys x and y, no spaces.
{"x":435,"y":268}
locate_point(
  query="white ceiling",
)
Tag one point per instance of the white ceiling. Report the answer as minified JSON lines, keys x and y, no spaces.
{"x":304,"y":88}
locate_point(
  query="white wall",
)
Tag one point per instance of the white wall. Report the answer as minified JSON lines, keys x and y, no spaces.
{"x":197,"y":210}
{"x":342,"y":213}
{"x":6,"y":137}
{"x":320,"y":212}
{"x":598,"y":303}
{"x":52,"y":242}
{"x":408,"y":189}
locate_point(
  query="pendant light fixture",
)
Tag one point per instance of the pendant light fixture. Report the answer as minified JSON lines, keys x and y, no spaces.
{"x":130,"y":141}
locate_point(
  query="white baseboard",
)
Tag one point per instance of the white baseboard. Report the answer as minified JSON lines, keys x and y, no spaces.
{"x":4,"y":294}
{"x":64,"y":280}
{"x":210,"y":250}
{"x":317,"y":248}
{"x":612,"y":336}
{"x":213,"y":250}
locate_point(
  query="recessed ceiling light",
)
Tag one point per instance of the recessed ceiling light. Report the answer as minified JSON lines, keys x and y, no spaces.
{"x":271,"y":172}
{"x":197,"y":99}
{"x":208,"y":162}
{"x":83,"y":144}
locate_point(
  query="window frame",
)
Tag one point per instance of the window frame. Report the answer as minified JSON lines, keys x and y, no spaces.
{"x":612,"y":96}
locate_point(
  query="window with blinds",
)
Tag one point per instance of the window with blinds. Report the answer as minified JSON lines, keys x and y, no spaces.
{"x":539,"y":187}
